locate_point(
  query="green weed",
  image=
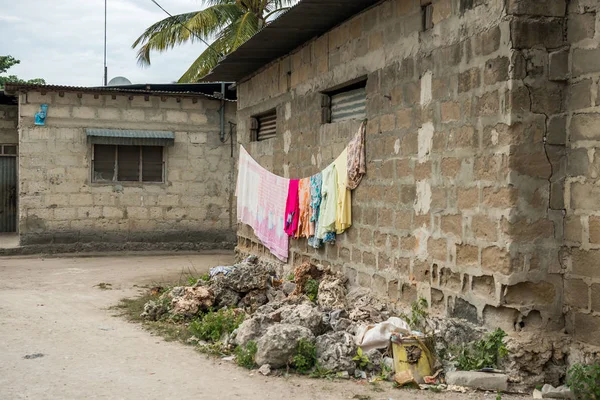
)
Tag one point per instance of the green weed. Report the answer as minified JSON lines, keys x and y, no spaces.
{"x":584,"y":381}
{"x":311,"y":289}
{"x":361,"y":360}
{"x":212,"y":325}
{"x":305,"y":357}
{"x":418,"y":315}
{"x":322,"y":373}
{"x":244,"y":355}
{"x":484,"y":353}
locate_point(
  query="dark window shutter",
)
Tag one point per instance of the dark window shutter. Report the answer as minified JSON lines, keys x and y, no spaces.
{"x":128,"y":163}
{"x":267,"y":126}
{"x":152,"y":164}
{"x":104,"y":162}
{"x":253,"y":129}
{"x":325,"y":109}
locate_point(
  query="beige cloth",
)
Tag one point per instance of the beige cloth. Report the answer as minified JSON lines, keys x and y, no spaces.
{"x":357,"y":165}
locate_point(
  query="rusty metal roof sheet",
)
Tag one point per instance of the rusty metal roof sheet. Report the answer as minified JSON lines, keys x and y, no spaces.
{"x":175,"y":90}
{"x":304,"y":21}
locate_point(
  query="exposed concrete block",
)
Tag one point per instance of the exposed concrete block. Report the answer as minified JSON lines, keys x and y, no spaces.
{"x":542,"y":8}
{"x":463,"y":309}
{"x":84,"y":112}
{"x":585,"y":126}
{"x":530,"y":33}
{"x":585,"y":262}
{"x":496,"y":70}
{"x":177,"y":116}
{"x":586,"y":328}
{"x":595,"y":297}
{"x":581,"y":26}
{"x":530,"y":294}
{"x":578,"y":162}
{"x":486,"y":42}
{"x":579,"y":95}
{"x":504,"y":318}
{"x":559,"y":65}
{"x":495,"y":259}
{"x":584,"y":196}
{"x":585,"y":61}
{"x":557,"y":130}
{"x":576,"y":293}
{"x":478,"y":380}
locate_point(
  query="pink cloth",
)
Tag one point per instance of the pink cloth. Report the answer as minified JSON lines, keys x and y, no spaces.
{"x":261,"y":202}
{"x":292,"y":208}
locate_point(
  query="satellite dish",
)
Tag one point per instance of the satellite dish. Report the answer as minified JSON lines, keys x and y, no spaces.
{"x":119,"y":81}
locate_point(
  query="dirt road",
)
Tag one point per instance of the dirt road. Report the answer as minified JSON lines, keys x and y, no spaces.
{"x":53,"y":307}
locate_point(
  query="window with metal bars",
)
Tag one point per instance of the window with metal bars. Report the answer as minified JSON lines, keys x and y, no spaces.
{"x":116,"y":163}
{"x":345,"y":103}
{"x":263,"y":126}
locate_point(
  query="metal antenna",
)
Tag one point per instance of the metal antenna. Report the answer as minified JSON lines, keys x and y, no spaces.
{"x":105,"y":67}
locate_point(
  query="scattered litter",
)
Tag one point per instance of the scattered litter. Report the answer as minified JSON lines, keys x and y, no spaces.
{"x":358,"y":374}
{"x":228,"y":358}
{"x":458,"y":389}
{"x":34,"y":355}
{"x":265,"y":369}
{"x":220,"y":270}
{"x":369,"y":337}
{"x":551,"y":392}
{"x":404,"y":378}
{"x":433,"y":379}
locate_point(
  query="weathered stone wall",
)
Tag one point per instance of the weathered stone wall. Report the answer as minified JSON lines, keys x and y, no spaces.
{"x":454,"y":206}
{"x":59,"y":204}
{"x":8,"y":124}
{"x":576,"y":130}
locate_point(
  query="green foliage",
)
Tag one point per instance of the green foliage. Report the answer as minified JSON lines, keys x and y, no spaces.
{"x":311,"y":289}
{"x":244,"y":355}
{"x":418,"y":315}
{"x":205,"y":277}
{"x":226,"y":23}
{"x":290,"y":277}
{"x":6,"y":62}
{"x":361,"y":360}
{"x":214,"y":324}
{"x":192,"y":281}
{"x":483,"y":353}
{"x":322,"y":373}
{"x":498,"y":396}
{"x":305,"y":357}
{"x":584,"y":381}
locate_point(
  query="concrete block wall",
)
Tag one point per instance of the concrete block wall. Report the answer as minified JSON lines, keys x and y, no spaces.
{"x":8,"y":124}
{"x":576,"y":129}
{"x":454,"y":206}
{"x":58,"y":203}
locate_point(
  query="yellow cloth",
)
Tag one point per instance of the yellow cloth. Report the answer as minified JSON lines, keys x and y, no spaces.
{"x":343,"y":215}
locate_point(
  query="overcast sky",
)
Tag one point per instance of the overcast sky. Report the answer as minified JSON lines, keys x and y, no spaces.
{"x":62,"y":40}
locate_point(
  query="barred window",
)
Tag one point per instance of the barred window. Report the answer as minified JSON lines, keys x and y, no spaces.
{"x":119,"y":163}
{"x":263,"y":126}
{"x":345,"y":103}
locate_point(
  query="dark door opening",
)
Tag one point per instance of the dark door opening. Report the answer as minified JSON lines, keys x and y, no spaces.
{"x":8,"y":188}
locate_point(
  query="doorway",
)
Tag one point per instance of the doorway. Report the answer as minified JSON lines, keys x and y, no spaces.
{"x":8,"y":188}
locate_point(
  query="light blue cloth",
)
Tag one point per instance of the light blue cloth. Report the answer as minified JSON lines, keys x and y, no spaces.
{"x":316,"y":183}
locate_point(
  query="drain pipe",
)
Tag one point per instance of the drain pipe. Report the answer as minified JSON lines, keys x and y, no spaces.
{"x":222,"y":113}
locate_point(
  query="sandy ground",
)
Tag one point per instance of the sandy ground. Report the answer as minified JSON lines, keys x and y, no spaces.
{"x":52,"y":306}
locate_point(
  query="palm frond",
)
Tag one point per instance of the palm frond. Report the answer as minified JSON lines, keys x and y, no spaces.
{"x":182,"y":28}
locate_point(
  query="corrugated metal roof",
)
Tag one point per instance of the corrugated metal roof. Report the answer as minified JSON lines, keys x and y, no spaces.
{"x":130,"y":133}
{"x":306,"y":20}
{"x":151,"y":90}
{"x":130,"y":137}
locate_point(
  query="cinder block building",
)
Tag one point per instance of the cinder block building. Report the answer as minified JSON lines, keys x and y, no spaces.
{"x":117,"y":168}
{"x":481,"y":191}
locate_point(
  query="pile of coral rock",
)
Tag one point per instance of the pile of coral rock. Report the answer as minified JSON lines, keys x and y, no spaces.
{"x":279,"y":314}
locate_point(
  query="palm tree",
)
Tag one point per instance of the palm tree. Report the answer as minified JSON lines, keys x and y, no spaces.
{"x":229,"y":22}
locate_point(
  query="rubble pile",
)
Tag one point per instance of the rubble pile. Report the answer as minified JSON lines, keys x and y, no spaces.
{"x":353,"y":332}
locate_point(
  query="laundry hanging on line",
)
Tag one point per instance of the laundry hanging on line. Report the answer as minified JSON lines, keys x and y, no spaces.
{"x":317,"y":208}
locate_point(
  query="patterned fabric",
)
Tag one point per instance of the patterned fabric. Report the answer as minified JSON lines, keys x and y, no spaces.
{"x":357,"y":166}
{"x":304,"y":225}
{"x":329,"y":200}
{"x":261,"y":200}
{"x":315,"y":203}
{"x":292,"y":208}
{"x":343,"y":215}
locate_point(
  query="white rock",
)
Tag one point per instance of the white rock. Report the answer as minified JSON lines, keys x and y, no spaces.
{"x":265,"y":369}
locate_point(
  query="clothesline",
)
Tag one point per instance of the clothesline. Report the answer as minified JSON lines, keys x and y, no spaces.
{"x":316,"y":207}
